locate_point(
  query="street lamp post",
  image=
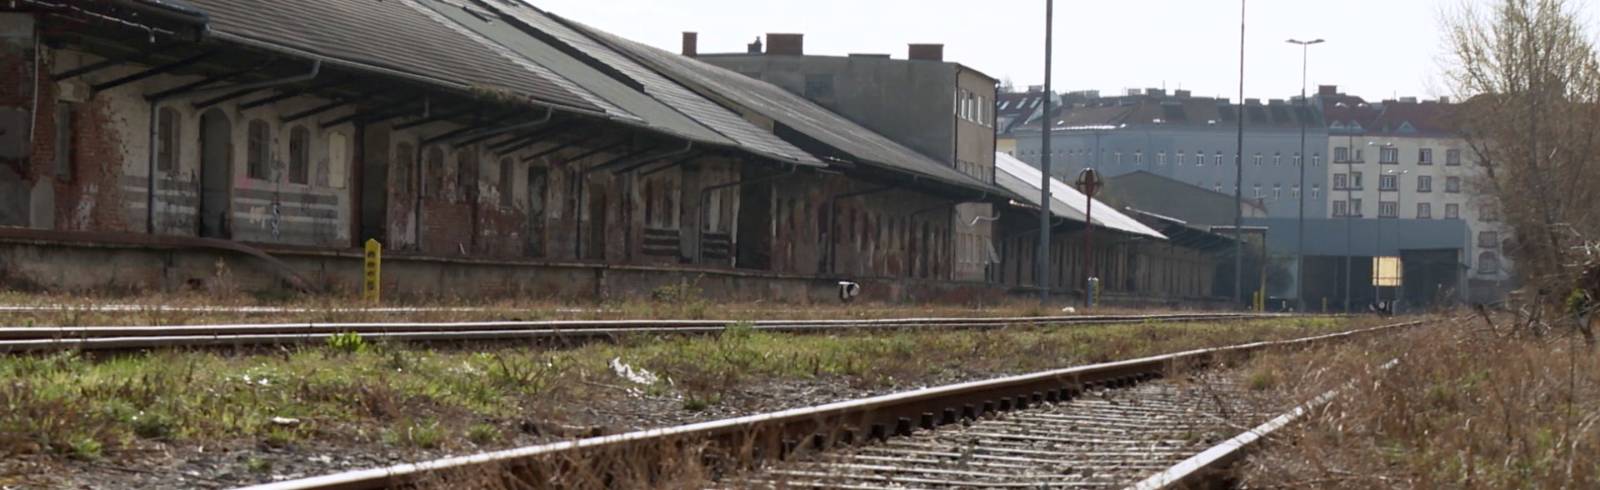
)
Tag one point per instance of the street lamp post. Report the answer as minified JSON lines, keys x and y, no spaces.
{"x":1300,"y":226}
{"x":1238,"y":177}
{"x":1041,"y":257}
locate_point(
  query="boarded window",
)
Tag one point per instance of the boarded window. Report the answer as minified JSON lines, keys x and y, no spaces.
{"x":299,"y":155}
{"x":258,"y":150}
{"x":64,"y":116}
{"x":167,"y":129}
{"x":506,"y":185}
{"x":338,"y":159}
{"x":433,"y":168}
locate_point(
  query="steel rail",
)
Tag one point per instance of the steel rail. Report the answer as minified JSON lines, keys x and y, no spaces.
{"x":754,"y":437}
{"x":121,"y":337}
{"x":1205,"y":466}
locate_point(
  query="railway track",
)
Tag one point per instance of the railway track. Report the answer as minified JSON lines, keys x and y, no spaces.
{"x":24,"y":339}
{"x":1108,"y":437}
{"x":1091,"y":426}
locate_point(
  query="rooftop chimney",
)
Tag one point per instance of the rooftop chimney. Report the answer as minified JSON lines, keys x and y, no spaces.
{"x":1327,"y":90}
{"x":786,"y":44}
{"x":754,"y":48}
{"x":927,"y":52}
{"x":691,"y":44}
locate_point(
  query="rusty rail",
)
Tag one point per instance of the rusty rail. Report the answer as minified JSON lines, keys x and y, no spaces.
{"x":751,"y":438}
{"x":22,"y":339}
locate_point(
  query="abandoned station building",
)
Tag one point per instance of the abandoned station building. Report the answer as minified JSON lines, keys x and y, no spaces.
{"x":495,"y":148}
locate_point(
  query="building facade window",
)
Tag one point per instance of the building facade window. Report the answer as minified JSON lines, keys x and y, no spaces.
{"x":1452,"y":211}
{"x":168,"y":127}
{"x":257,"y":151}
{"x":1388,"y":182}
{"x":1341,"y":182}
{"x":1294,"y":192}
{"x":1316,"y":192}
{"x":1452,"y":185}
{"x":1389,"y":156}
{"x":1218,"y":161}
{"x":1161,"y":158}
{"x":1388,"y":209}
{"x":1299,"y":159}
{"x":1488,"y":239}
{"x":1258,"y":159}
{"x":1488,"y":213}
{"x":1138,"y":157}
{"x":405,"y":168}
{"x":1488,"y":264}
{"x":1257,"y":191}
{"x":1316,"y":159}
{"x":1424,"y":184}
{"x":508,"y":168}
{"x":1355,"y":182}
{"x":1341,"y":155}
{"x":1355,"y":207}
{"x":1341,"y":208}
{"x":1424,"y":210}
{"x":1452,"y":158}
{"x":1425,"y":156}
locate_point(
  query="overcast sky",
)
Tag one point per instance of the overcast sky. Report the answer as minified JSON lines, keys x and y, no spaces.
{"x":1375,"y":48}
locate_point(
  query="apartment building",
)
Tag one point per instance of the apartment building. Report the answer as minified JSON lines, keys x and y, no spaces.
{"x":1403,"y":160}
{"x":1190,"y":139}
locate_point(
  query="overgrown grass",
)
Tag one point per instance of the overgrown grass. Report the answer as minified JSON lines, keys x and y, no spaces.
{"x":82,"y":407}
{"x":1464,"y":408}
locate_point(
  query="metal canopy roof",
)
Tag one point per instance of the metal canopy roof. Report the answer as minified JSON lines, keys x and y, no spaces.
{"x":394,"y":37}
{"x":665,"y":104}
{"x":794,"y":112}
{"x":1023,"y":180}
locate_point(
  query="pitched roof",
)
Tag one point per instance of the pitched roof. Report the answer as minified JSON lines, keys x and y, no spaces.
{"x":1066,"y":202}
{"x":675,"y":108}
{"x":393,"y":37}
{"x":793,"y":112}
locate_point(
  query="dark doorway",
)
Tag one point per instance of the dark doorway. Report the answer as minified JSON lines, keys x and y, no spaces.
{"x":216,"y":174}
{"x":754,"y":241}
{"x":538,"y":188}
{"x":374,"y":183}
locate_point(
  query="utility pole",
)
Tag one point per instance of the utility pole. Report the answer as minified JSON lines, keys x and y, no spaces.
{"x":1238,"y":178}
{"x":1041,"y":257}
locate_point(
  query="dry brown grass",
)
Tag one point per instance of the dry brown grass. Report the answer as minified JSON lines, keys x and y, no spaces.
{"x":676,"y":303}
{"x":1466,"y":407}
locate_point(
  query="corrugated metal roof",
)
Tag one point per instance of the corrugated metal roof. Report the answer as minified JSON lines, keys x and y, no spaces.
{"x":393,"y":35}
{"x":532,"y":55}
{"x":795,"y":112}
{"x":1023,"y":180}
{"x":703,"y":112}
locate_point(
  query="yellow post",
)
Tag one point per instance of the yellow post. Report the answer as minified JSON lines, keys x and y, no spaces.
{"x":373,"y":282}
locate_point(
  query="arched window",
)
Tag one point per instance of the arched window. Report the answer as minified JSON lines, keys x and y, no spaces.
{"x":467,"y":174}
{"x":433,"y":168}
{"x":299,"y":155}
{"x":168,"y":129}
{"x":1488,"y":264}
{"x":258,"y":151}
{"x":338,"y":159}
